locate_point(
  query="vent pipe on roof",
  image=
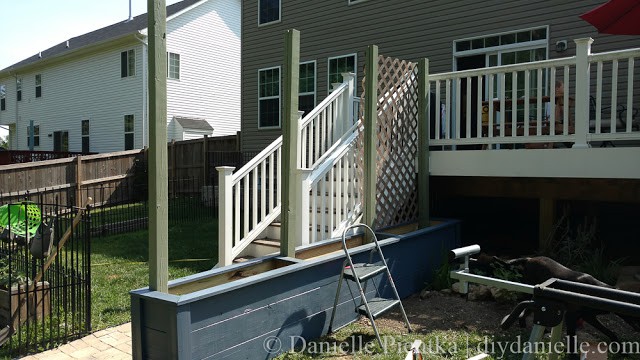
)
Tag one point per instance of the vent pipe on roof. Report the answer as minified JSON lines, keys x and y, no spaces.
{"x":40,"y":54}
{"x":67,"y":44}
{"x":130,"y":17}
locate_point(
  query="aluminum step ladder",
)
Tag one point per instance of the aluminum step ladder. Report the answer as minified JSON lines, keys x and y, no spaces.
{"x":361,"y":274}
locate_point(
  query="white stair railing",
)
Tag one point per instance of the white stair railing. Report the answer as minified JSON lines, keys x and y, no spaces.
{"x":250,"y":199}
{"x":333,"y":195}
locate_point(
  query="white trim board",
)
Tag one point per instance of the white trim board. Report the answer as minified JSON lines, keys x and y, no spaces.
{"x":606,"y":163}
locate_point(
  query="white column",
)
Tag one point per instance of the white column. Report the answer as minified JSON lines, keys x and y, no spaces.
{"x":225,"y":215}
{"x":583,"y":50}
{"x":350,"y":79}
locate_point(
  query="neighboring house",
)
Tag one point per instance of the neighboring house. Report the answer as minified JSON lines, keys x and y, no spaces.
{"x":453,"y":35}
{"x":90,"y":92}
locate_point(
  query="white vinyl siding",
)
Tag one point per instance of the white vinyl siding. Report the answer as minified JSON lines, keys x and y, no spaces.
{"x":269,"y":97}
{"x":207,"y":37}
{"x":77,"y":97}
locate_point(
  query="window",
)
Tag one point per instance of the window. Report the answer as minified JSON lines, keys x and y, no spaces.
{"x":61,"y":141}
{"x":85,"y":135}
{"x":38,"y":85}
{"x":19,"y":89}
{"x":128,"y":132}
{"x":128,"y":63}
{"x":36,"y":135}
{"x":3,"y":98}
{"x":173,"y":66}
{"x":514,"y":47}
{"x":339,"y":65}
{"x":268,"y":11}
{"x":269,"y":97}
{"x":307,"y":88}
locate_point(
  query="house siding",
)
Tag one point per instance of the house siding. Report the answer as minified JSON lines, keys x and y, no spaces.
{"x":80,"y":88}
{"x":88,"y":85}
{"x":416,"y":29}
{"x":208,"y":40}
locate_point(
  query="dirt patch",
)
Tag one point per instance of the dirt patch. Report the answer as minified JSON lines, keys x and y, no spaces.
{"x":444,"y":311}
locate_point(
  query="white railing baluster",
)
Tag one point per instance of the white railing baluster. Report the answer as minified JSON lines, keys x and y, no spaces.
{"x":527,"y":96}
{"x":479,"y":107}
{"x":629,"y":114}
{"x":614,"y":95}
{"x":514,"y":103}
{"x":254,"y":196}
{"x":565,"y":100}
{"x":236,"y":216}
{"x":552,"y":98}
{"x":539,"y":103}
{"x":458,"y":99}
{"x":437,"y":112}
{"x":503,"y":107}
{"x":491,"y":105}
{"x":468,"y":112}
{"x":447,"y":110}
{"x":263,"y":191}
{"x":245,"y":211}
{"x":271,"y":181}
{"x":599,"y":98}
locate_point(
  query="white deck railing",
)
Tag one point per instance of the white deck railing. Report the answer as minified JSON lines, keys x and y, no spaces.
{"x":484,"y":113}
{"x":250,"y":198}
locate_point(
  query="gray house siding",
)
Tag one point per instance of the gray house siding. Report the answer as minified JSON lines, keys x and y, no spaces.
{"x":408,"y":29}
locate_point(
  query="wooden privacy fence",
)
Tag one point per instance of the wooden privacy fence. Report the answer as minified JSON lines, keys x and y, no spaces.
{"x":111,"y":175}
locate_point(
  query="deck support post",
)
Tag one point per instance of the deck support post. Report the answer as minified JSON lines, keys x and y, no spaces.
{"x":158,"y":178}
{"x":370,"y":122}
{"x":423,"y":143}
{"x":290,"y":145}
{"x":302,"y":226}
{"x":225,"y":215}
{"x":583,"y":50}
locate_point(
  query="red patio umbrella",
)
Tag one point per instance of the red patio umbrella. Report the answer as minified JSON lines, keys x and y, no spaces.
{"x":617,"y":17}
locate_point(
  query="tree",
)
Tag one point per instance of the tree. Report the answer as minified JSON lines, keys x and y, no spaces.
{"x":4,"y":142}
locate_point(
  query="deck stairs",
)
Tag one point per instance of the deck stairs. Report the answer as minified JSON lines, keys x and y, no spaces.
{"x":250,"y":197}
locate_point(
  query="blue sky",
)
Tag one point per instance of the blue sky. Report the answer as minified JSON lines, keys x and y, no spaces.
{"x":34,"y":25}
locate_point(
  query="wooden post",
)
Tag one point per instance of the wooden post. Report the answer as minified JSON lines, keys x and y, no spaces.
{"x":290,"y":143}
{"x":205,"y":165}
{"x":583,"y":50}
{"x":225,"y":215}
{"x":158,"y":182}
{"x":423,"y":143}
{"x":79,"y":202}
{"x":370,"y":124}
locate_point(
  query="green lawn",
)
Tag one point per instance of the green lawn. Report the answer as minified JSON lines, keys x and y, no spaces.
{"x":119,"y":263}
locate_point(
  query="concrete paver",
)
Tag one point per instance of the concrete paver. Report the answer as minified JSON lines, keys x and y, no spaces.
{"x":111,"y":343}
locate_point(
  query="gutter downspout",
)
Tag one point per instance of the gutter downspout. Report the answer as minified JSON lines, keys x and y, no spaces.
{"x":145,"y":56}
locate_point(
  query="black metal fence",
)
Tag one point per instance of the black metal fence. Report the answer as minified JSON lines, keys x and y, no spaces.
{"x":45,"y":276}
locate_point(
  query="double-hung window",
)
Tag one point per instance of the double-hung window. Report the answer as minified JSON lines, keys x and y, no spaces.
{"x":36,"y":135}
{"x":129,"y":127}
{"x":38,"y":85}
{"x":268,"y":11}
{"x":85,"y":135}
{"x":307,"y":88}
{"x":173,"y":66}
{"x":269,"y":97}
{"x":339,"y":65}
{"x":128,"y":63}
{"x":3,"y":97}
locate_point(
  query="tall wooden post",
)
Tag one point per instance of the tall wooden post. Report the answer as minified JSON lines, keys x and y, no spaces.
{"x":225,"y":217}
{"x":583,"y":50}
{"x":158,"y":182}
{"x":423,"y":143}
{"x":290,"y":145}
{"x":370,"y":124}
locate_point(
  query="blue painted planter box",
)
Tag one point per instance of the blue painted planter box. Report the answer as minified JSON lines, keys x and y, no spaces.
{"x":230,"y":312}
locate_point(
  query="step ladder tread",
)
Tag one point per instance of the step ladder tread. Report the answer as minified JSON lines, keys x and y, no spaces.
{"x":378,"y":306}
{"x":364,"y":271}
